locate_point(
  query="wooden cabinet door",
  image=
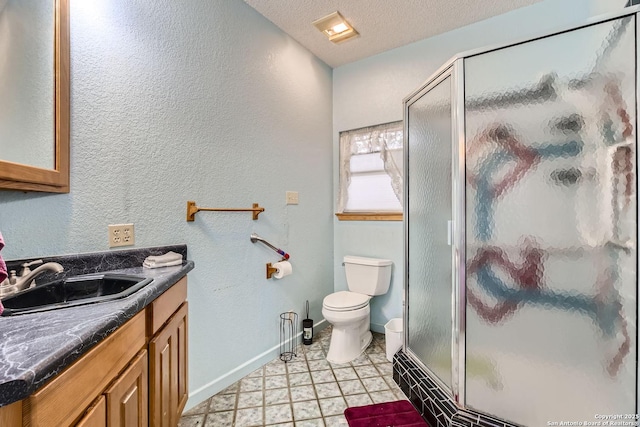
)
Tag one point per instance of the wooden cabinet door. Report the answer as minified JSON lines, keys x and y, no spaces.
{"x":181,"y":334}
{"x":68,"y":395}
{"x":168,"y":371}
{"x":127,"y":396}
{"x":11,"y":415}
{"x":96,"y":415}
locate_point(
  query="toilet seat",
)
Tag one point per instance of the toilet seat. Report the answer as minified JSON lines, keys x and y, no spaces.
{"x":345,"y":301}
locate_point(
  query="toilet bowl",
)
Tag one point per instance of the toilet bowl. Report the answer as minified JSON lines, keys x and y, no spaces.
{"x":350,"y":335}
{"x":349,"y":312}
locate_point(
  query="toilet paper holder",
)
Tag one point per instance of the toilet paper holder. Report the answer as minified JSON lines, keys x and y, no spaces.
{"x":271,"y":270}
{"x":279,"y":270}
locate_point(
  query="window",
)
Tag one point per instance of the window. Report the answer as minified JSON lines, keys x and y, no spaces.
{"x":371,"y":167}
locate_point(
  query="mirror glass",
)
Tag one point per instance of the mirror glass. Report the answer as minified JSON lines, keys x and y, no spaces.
{"x":27,"y":82}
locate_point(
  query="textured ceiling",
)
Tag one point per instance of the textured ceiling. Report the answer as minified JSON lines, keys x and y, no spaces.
{"x":382,"y":24}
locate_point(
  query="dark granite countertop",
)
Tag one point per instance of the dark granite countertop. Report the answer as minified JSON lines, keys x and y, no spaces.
{"x":35,"y":347}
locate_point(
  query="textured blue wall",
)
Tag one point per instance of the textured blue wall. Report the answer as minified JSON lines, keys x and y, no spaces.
{"x":371,"y":91}
{"x":206,"y":101}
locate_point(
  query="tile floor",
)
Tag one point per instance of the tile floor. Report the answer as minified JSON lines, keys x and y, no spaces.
{"x":307,"y":391}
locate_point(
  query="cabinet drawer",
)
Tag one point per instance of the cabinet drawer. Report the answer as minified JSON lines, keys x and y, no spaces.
{"x":160,"y":310}
{"x":66,"y":397}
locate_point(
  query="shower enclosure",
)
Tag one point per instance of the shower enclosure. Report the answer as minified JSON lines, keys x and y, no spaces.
{"x":521,"y":227}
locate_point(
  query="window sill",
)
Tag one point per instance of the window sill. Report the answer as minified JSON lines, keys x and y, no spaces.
{"x":369,"y":216}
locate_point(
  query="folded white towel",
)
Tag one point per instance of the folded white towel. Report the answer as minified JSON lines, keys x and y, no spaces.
{"x":161,"y":264}
{"x":161,"y":259}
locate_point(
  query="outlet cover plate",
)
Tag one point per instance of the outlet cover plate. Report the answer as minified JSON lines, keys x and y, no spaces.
{"x":121,"y":235}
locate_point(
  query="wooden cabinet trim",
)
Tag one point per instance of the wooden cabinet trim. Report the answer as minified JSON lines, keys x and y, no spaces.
{"x":183,"y":361}
{"x":96,"y":415}
{"x":160,"y":310}
{"x":67,"y":396}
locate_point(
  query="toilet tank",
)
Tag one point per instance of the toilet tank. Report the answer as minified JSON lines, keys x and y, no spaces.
{"x":369,"y":276}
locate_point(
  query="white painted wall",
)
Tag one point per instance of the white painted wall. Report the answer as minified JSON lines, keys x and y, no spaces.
{"x":371,"y":91}
{"x":206,"y":101}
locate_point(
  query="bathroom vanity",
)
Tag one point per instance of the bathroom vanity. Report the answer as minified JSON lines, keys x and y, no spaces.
{"x":117,"y":363}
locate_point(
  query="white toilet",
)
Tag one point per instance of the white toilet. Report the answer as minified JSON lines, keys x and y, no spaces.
{"x":348,"y":311}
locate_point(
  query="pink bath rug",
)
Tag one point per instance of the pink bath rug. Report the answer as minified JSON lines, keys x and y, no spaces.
{"x":389,"y":414}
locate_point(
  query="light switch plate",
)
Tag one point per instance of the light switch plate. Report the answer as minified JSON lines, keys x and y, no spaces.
{"x":292,"y":197}
{"x":121,"y":235}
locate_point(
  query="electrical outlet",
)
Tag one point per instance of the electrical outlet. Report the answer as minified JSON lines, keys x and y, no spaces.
{"x":292,"y":197}
{"x":121,"y":235}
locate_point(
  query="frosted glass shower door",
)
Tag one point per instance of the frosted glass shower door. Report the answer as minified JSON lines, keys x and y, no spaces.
{"x":551,"y":280}
{"x":428,"y":211}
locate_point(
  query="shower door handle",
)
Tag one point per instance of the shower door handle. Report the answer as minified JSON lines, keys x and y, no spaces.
{"x":450,"y":233}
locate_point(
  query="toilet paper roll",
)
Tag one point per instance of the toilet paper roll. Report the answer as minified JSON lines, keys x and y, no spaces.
{"x":283,"y":268}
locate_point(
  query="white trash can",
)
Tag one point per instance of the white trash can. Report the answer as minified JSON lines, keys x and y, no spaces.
{"x":393,"y":337}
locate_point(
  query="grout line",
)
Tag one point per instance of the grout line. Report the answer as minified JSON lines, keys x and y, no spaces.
{"x":237,"y":401}
{"x":206,"y":412}
{"x":286,"y":375}
{"x":303,"y":353}
{"x":264,"y":395}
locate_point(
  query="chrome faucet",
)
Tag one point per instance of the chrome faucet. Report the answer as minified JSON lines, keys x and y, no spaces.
{"x":14,"y":284}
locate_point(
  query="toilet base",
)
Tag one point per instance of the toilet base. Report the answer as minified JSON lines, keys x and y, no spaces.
{"x":348,"y":343}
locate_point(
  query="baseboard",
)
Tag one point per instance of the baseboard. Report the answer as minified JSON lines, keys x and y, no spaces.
{"x":320,"y":326}
{"x":376,"y":327}
{"x":224,"y":381}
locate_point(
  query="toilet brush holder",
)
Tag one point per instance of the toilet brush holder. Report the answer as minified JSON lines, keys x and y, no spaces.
{"x":307,"y":328}
{"x":307,"y":331}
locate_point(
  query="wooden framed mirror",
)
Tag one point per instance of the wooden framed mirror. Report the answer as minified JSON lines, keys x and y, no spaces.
{"x":36,"y":175}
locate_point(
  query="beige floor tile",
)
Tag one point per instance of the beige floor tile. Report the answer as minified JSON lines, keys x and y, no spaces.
{"x":191,"y":420}
{"x":277,"y":414}
{"x":332,"y":406}
{"x":307,"y":391}
{"x":306,"y":410}
{"x":219,"y":419}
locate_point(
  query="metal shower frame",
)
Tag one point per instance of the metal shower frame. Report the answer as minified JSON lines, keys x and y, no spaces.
{"x":454,"y":68}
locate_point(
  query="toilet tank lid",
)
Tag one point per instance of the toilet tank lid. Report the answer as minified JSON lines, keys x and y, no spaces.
{"x":377,"y":262}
